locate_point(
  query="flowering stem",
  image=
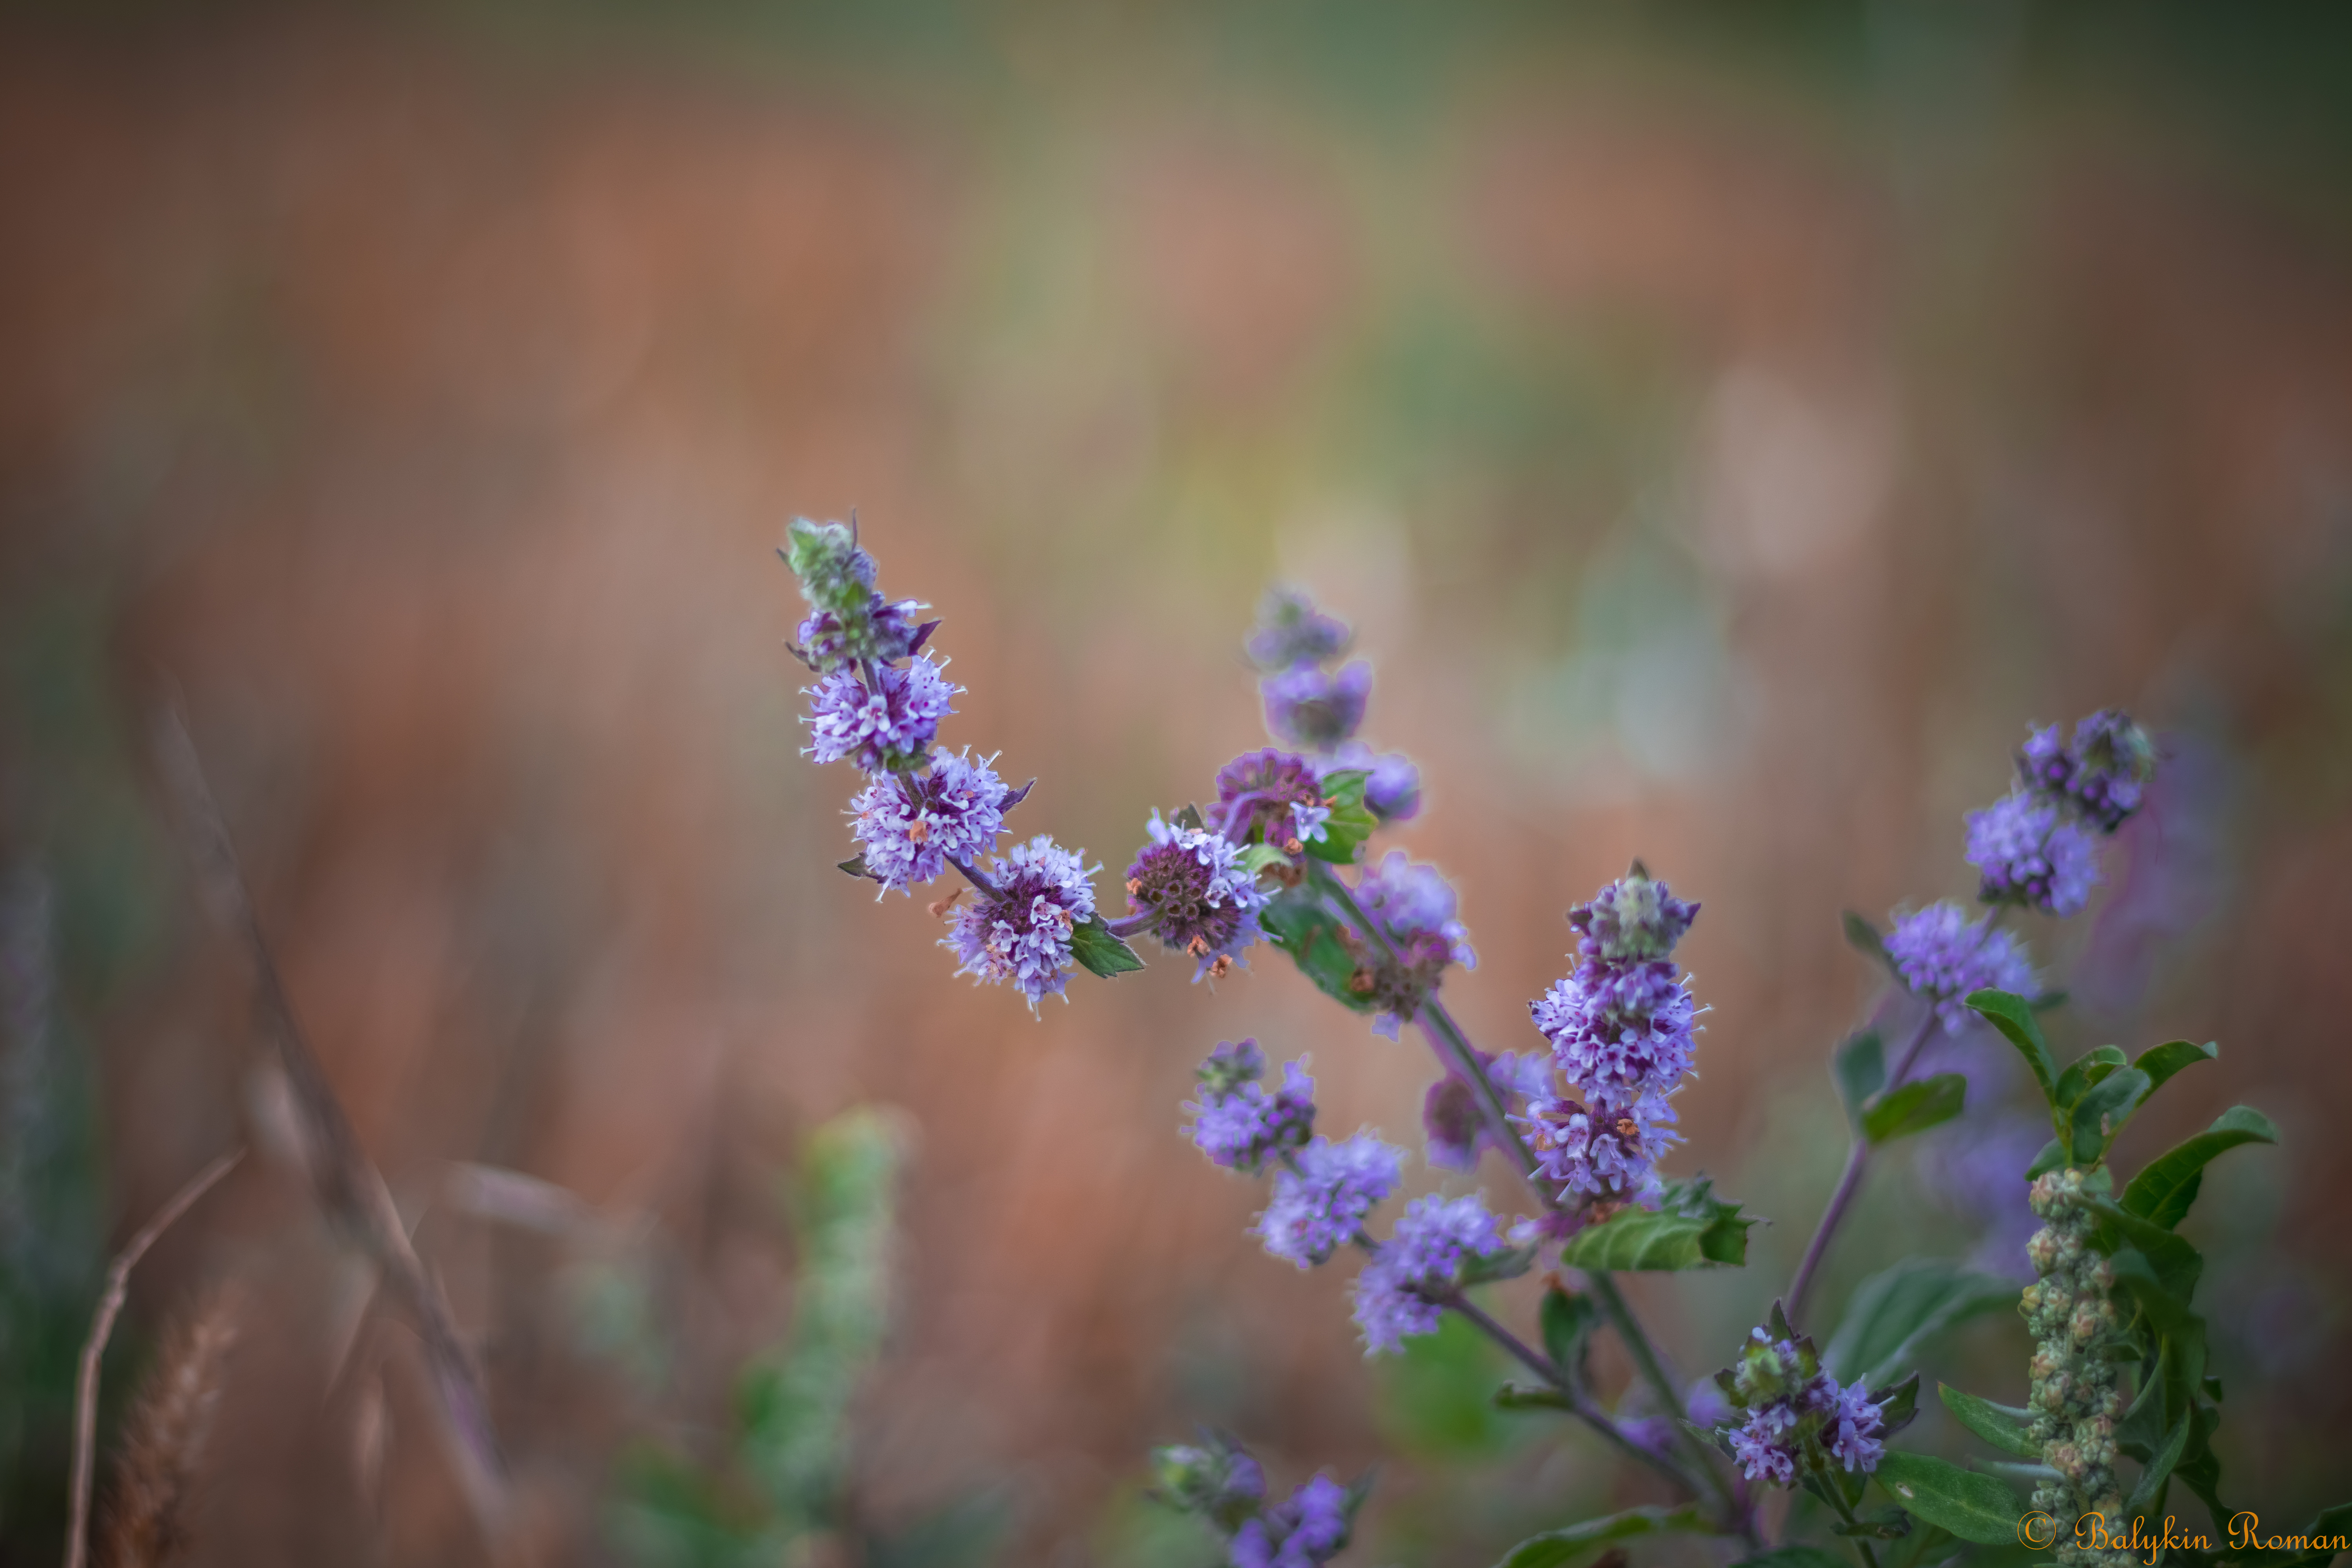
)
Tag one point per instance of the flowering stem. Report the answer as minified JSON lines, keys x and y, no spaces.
{"x":1131,"y":924}
{"x":975,"y":877}
{"x":1846,"y":1512}
{"x":1856,"y":1159}
{"x":1653,"y":1372}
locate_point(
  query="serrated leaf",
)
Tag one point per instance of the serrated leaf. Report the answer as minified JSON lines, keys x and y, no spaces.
{"x":1914,"y":1106}
{"x":2004,"y":1427}
{"x":1689,"y":1229}
{"x":1557,"y":1548}
{"x":1860,"y":1068}
{"x":2102,"y":1112}
{"x":1973,"y":1507}
{"x":2092,"y":1066}
{"x":1094,"y":944}
{"x":854,"y":866}
{"x":1896,"y":1312}
{"x":2013,"y":1016}
{"x":1298,"y":923}
{"x":2167,"y":1186}
{"x":1864,"y":939}
{"x":2160,"y":1062}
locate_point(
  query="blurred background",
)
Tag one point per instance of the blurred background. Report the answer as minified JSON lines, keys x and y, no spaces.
{"x":1726,"y":427}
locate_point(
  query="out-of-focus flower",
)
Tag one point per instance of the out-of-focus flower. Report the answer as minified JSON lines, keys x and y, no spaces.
{"x":1291,"y":631}
{"x":884,"y":727}
{"x":1022,"y":932}
{"x":1452,"y":1121}
{"x":1392,"y":782}
{"x":1265,"y":796}
{"x":1307,"y":1531}
{"x":1421,"y":1262}
{"x":1413,"y":907}
{"x":1236,"y":1123}
{"x":1306,"y":707}
{"x":1943,"y":955}
{"x":910,"y":826}
{"x":2031,"y":852}
{"x":1320,"y":1200}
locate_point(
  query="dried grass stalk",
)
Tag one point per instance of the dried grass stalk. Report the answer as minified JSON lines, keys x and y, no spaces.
{"x":148,"y":1522}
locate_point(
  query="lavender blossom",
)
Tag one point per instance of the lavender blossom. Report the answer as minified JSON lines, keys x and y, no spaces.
{"x":1943,"y":955}
{"x":1202,"y":900}
{"x":1600,"y":1148}
{"x":1452,"y":1119}
{"x":910,"y":826}
{"x":1413,"y":907}
{"x":1622,"y":1025}
{"x":1306,"y":707}
{"x":1022,"y":931}
{"x":1291,"y":631}
{"x":1634,"y":918}
{"x":1398,"y":1292}
{"x":1320,"y":1199}
{"x":1392,"y":782}
{"x":886,"y":727}
{"x":1798,"y":1416}
{"x":2113,"y":760}
{"x":2031,"y":852}
{"x":1304,"y":1533}
{"x":1271,"y":797}
{"x":1236,"y":1123}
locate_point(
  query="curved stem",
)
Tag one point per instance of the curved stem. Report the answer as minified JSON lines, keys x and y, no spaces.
{"x":976,"y":878}
{"x":1857,"y":1158}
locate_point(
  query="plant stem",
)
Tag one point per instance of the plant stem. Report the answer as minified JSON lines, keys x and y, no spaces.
{"x":1653,"y":1372}
{"x":1846,"y":1512}
{"x":1857,"y":1157}
{"x":975,"y":877}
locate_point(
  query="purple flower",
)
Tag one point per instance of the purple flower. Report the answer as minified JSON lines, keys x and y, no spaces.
{"x":1621,"y":1030}
{"x":1320,"y":1201}
{"x":1022,"y":932}
{"x":1392,"y":783}
{"x":1795,"y":1408}
{"x":1230,"y":1066}
{"x":1238,"y":1125}
{"x":1633,"y":919}
{"x":1451,"y":1116}
{"x":1853,"y":1429}
{"x":1291,"y":630}
{"x":1263,"y":797}
{"x":1304,"y":1533}
{"x":1601,"y":1148}
{"x":910,"y":825}
{"x":1943,"y":955}
{"x":1422,"y":1259}
{"x":1306,"y":707}
{"x":1412,"y":906}
{"x":876,"y":630}
{"x":2031,"y":853}
{"x":883,"y":728}
{"x":1201,"y":900}
{"x":1762,"y":1457}
{"x":2113,"y":760}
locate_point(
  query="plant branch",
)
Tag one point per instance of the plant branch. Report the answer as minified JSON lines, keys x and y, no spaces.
{"x":977,"y":877}
{"x":1652,"y":1371}
{"x":1857,"y":1158}
{"x":101,"y":1329}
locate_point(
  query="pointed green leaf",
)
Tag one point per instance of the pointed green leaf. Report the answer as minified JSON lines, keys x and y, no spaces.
{"x":1351,"y":822}
{"x":1557,"y":1548}
{"x":2176,"y":1263}
{"x":1860,"y":1068}
{"x":1092,"y":943}
{"x":1508,"y":1265}
{"x":1864,"y":939}
{"x":2102,"y":1112}
{"x":2013,"y":1016}
{"x":2168,"y":1185}
{"x":2001,"y":1426}
{"x":854,"y":866}
{"x":1190,"y":818}
{"x":1972,"y":1506}
{"x":1298,"y":923}
{"x":2087,"y":1070}
{"x":1894,"y":1312}
{"x":1257,"y":857}
{"x":1567,"y":1322}
{"x":1915,"y":1108}
{"x":2160,"y":1062}
{"x":2158,"y":1469}
{"x":1690,"y":1228}
{"x":2051,"y":1158}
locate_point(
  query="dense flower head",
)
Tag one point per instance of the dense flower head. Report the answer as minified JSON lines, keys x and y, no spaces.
{"x":1271,"y":797}
{"x":877,"y":630}
{"x":1291,"y":630}
{"x":910,"y":826}
{"x":885,"y":727}
{"x":1022,"y":932}
{"x":1601,"y":1148}
{"x":1233,"y":1063}
{"x":1306,"y":706}
{"x":1308,"y":1529}
{"x":1410,"y":900}
{"x":1391,"y":781}
{"x":1797,"y":1416}
{"x":1633,"y":919}
{"x":2113,"y":760}
{"x":1423,"y":1259}
{"x":1622,"y":1030}
{"x":1238,"y":1124}
{"x":2030,"y":851}
{"x":1322,"y":1198}
{"x":1203,"y":902}
{"x":1943,"y":955}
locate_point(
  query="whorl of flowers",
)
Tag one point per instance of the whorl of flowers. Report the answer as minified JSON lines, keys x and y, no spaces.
{"x":1321,"y":1197}
{"x":882,"y":724}
{"x":1200,"y":900}
{"x":2039,"y":845}
{"x":1236,"y":1122}
{"x":1022,"y":932}
{"x":1412,"y":906}
{"x":1310,"y":707}
{"x":1943,"y":955}
{"x":1292,"y":631}
{"x":1271,"y":797}
{"x":848,"y":621}
{"x":1800,"y":1419}
{"x":910,"y":826}
{"x":1622,"y":1033}
{"x":1308,"y":1529}
{"x":2104,"y":771}
{"x":1401,"y":1290}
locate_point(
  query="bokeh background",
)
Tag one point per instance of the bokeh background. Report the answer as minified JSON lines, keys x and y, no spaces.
{"x":1727,"y":426}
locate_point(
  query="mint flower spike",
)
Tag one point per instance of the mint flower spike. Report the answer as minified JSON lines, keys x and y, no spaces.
{"x":910,"y":826}
{"x":881,"y":716}
{"x":1800,"y":1419}
{"x":1323,"y":1193}
{"x":1239,"y":1125}
{"x":2030,"y":851}
{"x":1020,"y":932}
{"x":1401,"y":1290}
{"x":1308,"y":708}
{"x":1943,"y":955}
{"x":1191,"y":890}
{"x":1292,"y":631}
{"x":849,"y":622}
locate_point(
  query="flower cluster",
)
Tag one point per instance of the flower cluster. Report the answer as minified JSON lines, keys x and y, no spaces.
{"x":876,"y":704}
{"x":1455,"y":1125}
{"x":1323,"y":1193}
{"x":1942,"y":955}
{"x":1401,"y":1290}
{"x":1623,"y":1032}
{"x":1800,"y":1419}
{"x":1191,"y":890}
{"x":1309,"y":1529}
{"x":2039,"y":845}
{"x":1220,"y":1481}
{"x":1318,"y":710}
{"x":1236,"y":1123}
{"x":1272,"y":797}
{"x":1411,"y":907}
{"x":2074,"y":1395}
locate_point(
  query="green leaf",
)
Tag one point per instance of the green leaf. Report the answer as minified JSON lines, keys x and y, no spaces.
{"x":1915,"y":1108}
{"x":1508,"y":1265}
{"x":1093,"y":944}
{"x":1898,"y":1406}
{"x":2102,"y":1112}
{"x":2087,"y":1070}
{"x":1690,"y":1228}
{"x":855,"y":865}
{"x":2051,"y":1158}
{"x":1190,"y":818}
{"x":2177,"y":1264}
{"x":2168,"y":1185}
{"x":1298,"y":923}
{"x":1896,"y":1311}
{"x":1972,"y":1506}
{"x":1860,"y":1068}
{"x":2160,"y":1062}
{"x":1881,"y":1524}
{"x":2179,"y":1332}
{"x":1557,"y":1548}
{"x":2013,"y":1016}
{"x":2158,"y":1469}
{"x":1863,"y":938}
{"x":1567,"y":1322}
{"x":2002,"y":1426}
{"x":1257,"y":857}
{"x":1351,"y":822}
